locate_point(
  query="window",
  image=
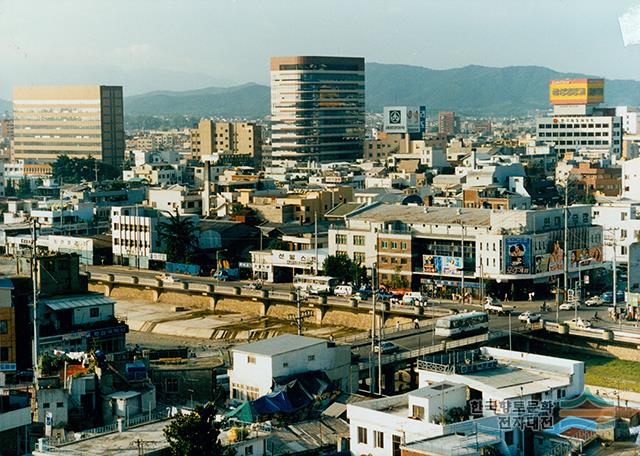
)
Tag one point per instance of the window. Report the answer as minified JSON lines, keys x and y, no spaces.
{"x":248,"y":450}
{"x":59,"y":404}
{"x":311,"y":357}
{"x":362,"y":435}
{"x":285,"y":364}
{"x":171,"y":385}
{"x":94,"y":312}
{"x":378,"y":439}
{"x":384,"y":244}
{"x":403,"y":246}
{"x":396,"y":441}
{"x":251,"y":359}
{"x":508,"y":438}
{"x":358,"y":240}
{"x":46,"y":405}
{"x":341,"y":238}
{"x":359,"y":257}
{"x":418,"y":412}
{"x":4,"y":353}
{"x":623,"y":234}
{"x":394,"y":245}
{"x":4,"y":326}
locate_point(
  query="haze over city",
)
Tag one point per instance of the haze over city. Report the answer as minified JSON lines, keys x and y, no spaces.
{"x":163,"y":44}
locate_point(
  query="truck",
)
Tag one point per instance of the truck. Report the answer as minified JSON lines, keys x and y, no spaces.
{"x":494,"y":306}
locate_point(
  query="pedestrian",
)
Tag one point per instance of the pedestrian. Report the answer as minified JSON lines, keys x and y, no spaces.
{"x":416,"y":324}
{"x":331,"y":339}
{"x":530,"y":297}
{"x":397,"y":326}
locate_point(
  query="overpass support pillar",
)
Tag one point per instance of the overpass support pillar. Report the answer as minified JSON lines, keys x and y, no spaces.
{"x":319,"y":314}
{"x":213,"y":302}
{"x":389,"y":380}
{"x":107,"y":289}
{"x":264,"y":307}
{"x":413,"y":376}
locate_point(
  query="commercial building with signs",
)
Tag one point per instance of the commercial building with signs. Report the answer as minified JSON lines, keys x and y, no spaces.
{"x":77,"y":121}
{"x":135,"y":237}
{"x":282,"y":265}
{"x":577,"y":122}
{"x":422,"y":247}
{"x":404,"y":119}
{"x":317,"y":108}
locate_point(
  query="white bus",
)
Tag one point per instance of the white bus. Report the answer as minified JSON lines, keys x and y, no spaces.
{"x":315,"y":284}
{"x":462,"y":324}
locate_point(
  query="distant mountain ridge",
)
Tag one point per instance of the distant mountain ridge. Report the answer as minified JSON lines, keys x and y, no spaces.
{"x":472,"y":90}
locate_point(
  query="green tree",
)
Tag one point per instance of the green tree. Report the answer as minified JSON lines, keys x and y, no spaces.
{"x":398,"y":281}
{"x":343,"y":268}
{"x":196,"y":434}
{"x":75,"y":170}
{"x":10,"y":190}
{"x":180,"y":237}
{"x":24,"y":188}
{"x":278,"y":244}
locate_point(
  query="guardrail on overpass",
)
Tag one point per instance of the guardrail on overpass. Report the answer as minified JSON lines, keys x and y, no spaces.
{"x":264,"y":296}
{"x":607,"y":334}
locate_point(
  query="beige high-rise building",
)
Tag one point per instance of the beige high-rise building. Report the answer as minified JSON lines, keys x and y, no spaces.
{"x":77,"y":121}
{"x":234,"y":139}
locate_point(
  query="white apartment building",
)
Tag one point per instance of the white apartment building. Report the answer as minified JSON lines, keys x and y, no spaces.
{"x":256,"y":366}
{"x":573,"y":128}
{"x":135,"y":237}
{"x":620,"y":222}
{"x":630,"y":119}
{"x":155,"y":174}
{"x":176,"y":198}
{"x":484,"y":170}
{"x":483,"y":382}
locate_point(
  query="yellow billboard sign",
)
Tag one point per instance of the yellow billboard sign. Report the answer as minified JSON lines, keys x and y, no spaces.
{"x":576,"y":91}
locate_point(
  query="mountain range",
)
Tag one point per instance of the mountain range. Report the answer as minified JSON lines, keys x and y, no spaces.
{"x":471,"y":90}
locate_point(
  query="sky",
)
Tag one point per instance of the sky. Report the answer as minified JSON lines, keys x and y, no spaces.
{"x":187,"y":44}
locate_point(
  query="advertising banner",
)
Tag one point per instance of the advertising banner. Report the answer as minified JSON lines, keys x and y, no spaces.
{"x":552,"y":261}
{"x":442,"y":265}
{"x":584,"y":257}
{"x":423,"y":119}
{"x":517,"y":255}
{"x":576,"y":91}
{"x":401,"y":119}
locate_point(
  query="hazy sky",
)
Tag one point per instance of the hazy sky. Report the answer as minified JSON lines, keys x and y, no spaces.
{"x":180,"y":44}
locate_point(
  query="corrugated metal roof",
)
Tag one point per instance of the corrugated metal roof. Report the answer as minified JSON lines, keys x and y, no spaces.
{"x":428,"y":216}
{"x":77,"y":301}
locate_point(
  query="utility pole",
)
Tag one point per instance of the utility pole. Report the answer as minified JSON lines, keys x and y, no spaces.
{"x":315,"y":234}
{"x":373,"y":325}
{"x":34,"y":281}
{"x":565,"y":260}
{"x":298,"y":318}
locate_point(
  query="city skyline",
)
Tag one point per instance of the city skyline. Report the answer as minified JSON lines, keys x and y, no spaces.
{"x":193,"y":54}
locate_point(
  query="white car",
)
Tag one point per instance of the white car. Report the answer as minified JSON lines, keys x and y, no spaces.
{"x":569,"y":306}
{"x":169,"y":278}
{"x":579,"y":323}
{"x":343,"y":290}
{"x":529,"y":317}
{"x":594,"y":301}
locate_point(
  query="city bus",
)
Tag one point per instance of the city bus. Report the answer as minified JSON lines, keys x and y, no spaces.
{"x":462,"y":324}
{"x":315,"y":284}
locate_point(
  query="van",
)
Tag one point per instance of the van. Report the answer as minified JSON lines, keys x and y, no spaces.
{"x":343,"y":290}
{"x":413,"y":297}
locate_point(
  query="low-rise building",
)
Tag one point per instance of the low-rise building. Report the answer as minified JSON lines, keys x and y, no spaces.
{"x":257,"y":365}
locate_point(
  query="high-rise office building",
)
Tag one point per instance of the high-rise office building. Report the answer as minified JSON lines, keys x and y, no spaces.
{"x":448,"y":123}
{"x":77,"y":121}
{"x":317,"y":108}
{"x":231,"y":139}
{"x":578,"y":124}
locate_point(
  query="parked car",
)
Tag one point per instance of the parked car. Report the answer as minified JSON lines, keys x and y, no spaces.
{"x":529,"y":317}
{"x":386,"y":347}
{"x":364,"y":293}
{"x":569,"y":306}
{"x":385,"y":295}
{"x":594,"y":301}
{"x":253,"y":286}
{"x":579,"y":323}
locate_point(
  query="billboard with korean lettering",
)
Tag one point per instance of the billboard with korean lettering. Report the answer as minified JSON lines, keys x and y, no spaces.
{"x":517,"y":252}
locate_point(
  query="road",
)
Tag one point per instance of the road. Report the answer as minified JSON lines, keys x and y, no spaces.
{"x":412,"y":339}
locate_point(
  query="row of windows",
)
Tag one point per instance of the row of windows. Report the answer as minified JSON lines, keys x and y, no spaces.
{"x":582,"y":125}
{"x":394,"y":245}
{"x":240,"y":391}
{"x":378,"y":440}
{"x":126,"y":227}
{"x":582,"y":134}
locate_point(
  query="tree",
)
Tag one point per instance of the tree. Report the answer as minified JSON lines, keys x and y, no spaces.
{"x":278,"y":244}
{"x":75,"y":170}
{"x":24,"y":188}
{"x":180,"y":237}
{"x":343,"y":268}
{"x":196,"y":434}
{"x":398,"y":281}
